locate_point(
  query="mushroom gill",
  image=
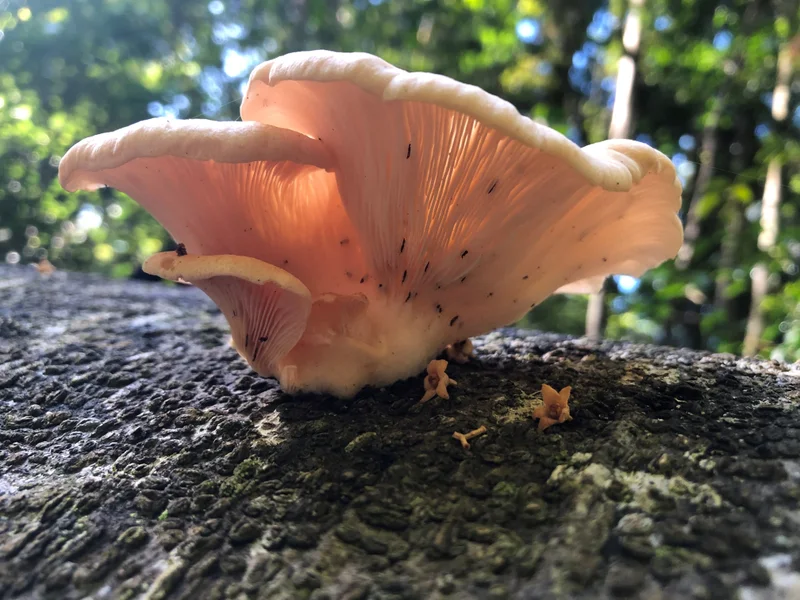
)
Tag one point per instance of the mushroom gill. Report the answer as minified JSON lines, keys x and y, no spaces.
{"x":266,"y":307}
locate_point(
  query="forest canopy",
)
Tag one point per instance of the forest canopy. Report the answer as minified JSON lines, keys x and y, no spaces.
{"x":711,"y":84}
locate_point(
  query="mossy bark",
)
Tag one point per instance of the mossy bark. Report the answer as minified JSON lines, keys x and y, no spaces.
{"x":141,"y":458}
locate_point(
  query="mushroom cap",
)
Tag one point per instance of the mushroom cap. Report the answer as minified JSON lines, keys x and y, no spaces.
{"x":227,"y":188}
{"x":196,"y":268}
{"x":600,"y":164}
{"x":266,"y":307}
{"x":381,"y":214}
{"x":84,"y":165}
{"x":461,"y":201}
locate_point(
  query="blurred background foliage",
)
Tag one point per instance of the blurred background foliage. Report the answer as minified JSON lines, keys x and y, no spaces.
{"x":709,"y":76}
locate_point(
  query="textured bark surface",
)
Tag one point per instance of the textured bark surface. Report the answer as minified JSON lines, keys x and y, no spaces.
{"x":141,"y":458}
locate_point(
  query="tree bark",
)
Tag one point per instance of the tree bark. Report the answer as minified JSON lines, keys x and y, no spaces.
{"x":142,"y":458}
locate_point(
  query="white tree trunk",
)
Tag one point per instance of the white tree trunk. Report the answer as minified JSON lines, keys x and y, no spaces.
{"x":620,"y":127}
{"x":770,"y":206}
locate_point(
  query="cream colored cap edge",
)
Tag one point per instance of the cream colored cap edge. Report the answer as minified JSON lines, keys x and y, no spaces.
{"x":195,"y":267}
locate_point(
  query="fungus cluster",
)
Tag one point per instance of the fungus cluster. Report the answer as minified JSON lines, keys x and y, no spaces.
{"x":360,"y":219}
{"x":436,"y":381}
{"x":554,"y":408}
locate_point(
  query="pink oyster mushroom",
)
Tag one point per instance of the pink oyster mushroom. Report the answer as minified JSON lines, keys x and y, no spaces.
{"x":360,"y":218}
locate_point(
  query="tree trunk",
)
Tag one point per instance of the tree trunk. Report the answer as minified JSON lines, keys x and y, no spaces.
{"x":620,"y":127}
{"x":596,"y":315}
{"x":733,"y":220}
{"x":708,"y":154}
{"x":734,"y":223}
{"x":141,"y":458}
{"x":770,"y":208}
